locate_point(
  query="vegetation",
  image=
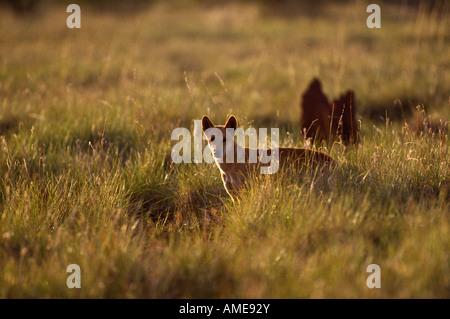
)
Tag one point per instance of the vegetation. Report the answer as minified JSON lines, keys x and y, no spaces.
{"x":86,"y":177}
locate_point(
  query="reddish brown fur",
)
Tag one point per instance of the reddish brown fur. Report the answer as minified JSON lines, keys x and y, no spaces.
{"x":235,"y":174}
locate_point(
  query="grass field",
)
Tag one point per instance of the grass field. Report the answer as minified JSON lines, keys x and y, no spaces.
{"x":86,"y":117}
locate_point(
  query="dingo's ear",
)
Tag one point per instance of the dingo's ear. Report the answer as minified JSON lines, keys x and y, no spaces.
{"x":231,"y":123}
{"x":206,"y":123}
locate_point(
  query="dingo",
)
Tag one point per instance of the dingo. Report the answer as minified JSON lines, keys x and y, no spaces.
{"x":235,"y":172}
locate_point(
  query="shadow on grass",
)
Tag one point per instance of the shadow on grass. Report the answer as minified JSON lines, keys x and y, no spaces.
{"x":415,"y":112}
{"x":290,"y":9}
{"x":268,"y":121}
{"x":396,"y":109}
{"x":154,"y":201}
{"x":10,"y":124}
{"x":178,"y":194}
{"x":25,"y":8}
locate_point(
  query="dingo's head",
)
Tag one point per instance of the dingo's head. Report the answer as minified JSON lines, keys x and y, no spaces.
{"x":218,"y":135}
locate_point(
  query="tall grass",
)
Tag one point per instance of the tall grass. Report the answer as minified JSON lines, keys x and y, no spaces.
{"x":86,"y":176}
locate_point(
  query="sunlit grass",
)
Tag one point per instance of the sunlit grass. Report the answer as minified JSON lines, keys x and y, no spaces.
{"x":86,"y":175}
